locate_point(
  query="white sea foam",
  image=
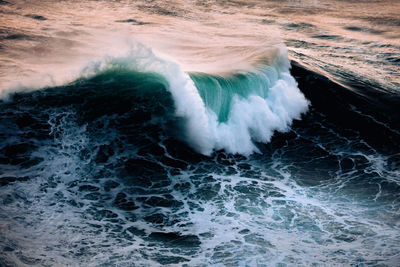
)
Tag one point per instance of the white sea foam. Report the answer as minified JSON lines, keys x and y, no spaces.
{"x":254,"y":119}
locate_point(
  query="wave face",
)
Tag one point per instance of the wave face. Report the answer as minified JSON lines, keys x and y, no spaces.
{"x":248,"y":107}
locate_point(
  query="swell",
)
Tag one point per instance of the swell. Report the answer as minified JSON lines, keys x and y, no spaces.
{"x":373,"y":114}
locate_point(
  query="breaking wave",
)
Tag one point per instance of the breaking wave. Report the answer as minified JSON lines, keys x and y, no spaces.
{"x":230,"y":112}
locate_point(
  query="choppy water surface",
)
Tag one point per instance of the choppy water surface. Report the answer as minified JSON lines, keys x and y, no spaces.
{"x":175,"y":133}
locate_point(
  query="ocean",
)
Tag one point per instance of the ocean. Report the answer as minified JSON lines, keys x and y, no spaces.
{"x":200,"y":133}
